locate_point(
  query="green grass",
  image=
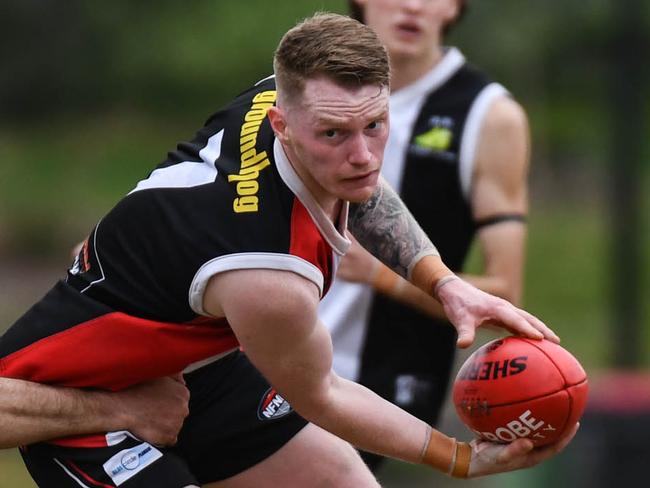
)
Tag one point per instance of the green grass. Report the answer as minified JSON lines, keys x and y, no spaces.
{"x":13,"y":473}
{"x":57,"y":181}
{"x":565,"y":278}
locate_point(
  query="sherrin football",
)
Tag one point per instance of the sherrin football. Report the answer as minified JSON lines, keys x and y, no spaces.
{"x":517,"y":387}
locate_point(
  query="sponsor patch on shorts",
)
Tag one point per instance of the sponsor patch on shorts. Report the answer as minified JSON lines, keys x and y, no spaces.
{"x":129,"y":462}
{"x":273,"y":406}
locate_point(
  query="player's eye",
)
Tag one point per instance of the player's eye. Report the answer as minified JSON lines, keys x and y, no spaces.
{"x":331,"y":133}
{"x":375,"y":124}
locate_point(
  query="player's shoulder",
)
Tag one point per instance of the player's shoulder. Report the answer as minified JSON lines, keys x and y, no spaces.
{"x":260,"y":92}
{"x":503,"y":109}
{"x":467,"y":75}
{"x":505,"y":114}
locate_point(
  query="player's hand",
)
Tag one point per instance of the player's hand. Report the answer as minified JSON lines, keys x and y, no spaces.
{"x":468,"y":308}
{"x":358,"y":265}
{"x":490,"y":458}
{"x":155,"y":409}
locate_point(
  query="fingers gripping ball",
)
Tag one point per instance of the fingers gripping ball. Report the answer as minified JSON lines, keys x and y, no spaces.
{"x":517,"y":387}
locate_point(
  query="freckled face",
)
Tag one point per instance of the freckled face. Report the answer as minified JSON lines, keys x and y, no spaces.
{"x":335,"y":138}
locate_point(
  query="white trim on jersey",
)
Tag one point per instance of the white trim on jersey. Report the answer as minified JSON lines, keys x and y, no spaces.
{"x":405,"y":106}
{"x":188,"y":173}
{"x":69,"y":473}
{"x":114,"y":438}
{"x":334,"y":235}
{"x":250,"y":260}
{"x":264,"y":79}
{"x":472,"y":131}
{"x":448,"y":66}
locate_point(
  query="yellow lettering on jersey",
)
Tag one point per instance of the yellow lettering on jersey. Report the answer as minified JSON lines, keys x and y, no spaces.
{"x":252,"y":162}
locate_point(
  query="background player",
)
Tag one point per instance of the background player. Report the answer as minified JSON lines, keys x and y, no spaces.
{"x":215,"y":275}
{"x":460,"y":143}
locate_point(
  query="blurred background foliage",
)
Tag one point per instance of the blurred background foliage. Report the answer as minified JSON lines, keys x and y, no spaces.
{"x":94,"y":93}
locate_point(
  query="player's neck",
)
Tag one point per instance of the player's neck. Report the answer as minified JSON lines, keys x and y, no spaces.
{"x":329,"y":203}
{"x":407,"y":70}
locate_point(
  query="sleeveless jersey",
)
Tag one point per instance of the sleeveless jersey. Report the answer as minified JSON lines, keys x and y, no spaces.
{"x":131,"y":308}
{"x":392,"y":348}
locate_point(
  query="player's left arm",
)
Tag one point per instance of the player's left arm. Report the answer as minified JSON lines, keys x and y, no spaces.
{"x":499,"y":198}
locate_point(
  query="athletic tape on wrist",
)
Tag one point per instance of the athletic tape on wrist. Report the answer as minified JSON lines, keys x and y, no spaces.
{"x":438,"y":452}
{"x":446,"y":454}
{"x":452,"y":464}
{"x":461,"y":460}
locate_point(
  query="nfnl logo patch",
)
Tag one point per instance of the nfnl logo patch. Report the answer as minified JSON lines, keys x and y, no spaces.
{"x":273,"y":406}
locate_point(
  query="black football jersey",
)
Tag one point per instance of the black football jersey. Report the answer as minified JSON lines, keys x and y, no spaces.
{"x":131,"y":308}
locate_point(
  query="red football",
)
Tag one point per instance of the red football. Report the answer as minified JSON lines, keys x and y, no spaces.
{"x":516,"y":387}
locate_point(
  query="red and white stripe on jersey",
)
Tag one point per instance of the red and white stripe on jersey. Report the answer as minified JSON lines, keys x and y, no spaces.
{"x":114,"y":351}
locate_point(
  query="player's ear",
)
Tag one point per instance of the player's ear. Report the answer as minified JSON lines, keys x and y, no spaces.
{"x":278,"y":121}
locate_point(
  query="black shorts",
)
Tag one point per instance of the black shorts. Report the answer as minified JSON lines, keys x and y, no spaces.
{"x":236,"y":420}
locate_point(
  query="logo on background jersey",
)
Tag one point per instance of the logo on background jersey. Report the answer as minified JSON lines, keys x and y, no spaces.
{"x":251,"y":161}
{"x":411,"y":390}
{"x":273,"y":406}
{"x":436,"y":139}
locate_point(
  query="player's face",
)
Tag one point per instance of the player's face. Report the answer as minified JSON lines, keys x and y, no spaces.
{"x":409,"y":28}
{"x":335,"y":138}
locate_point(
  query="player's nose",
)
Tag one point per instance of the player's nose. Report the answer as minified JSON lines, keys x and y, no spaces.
{"x":359,"y":150}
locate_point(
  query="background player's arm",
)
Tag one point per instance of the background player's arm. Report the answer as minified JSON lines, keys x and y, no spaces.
{"x":274,"y":315}
{"x":32,"y":412}
{"x":499,"y":189}
{"x":359,"y":266}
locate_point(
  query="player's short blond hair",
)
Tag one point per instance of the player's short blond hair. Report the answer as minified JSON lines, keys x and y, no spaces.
{"x":331,"y":45}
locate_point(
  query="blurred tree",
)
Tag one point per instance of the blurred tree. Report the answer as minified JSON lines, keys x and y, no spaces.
{"x":54,"y":57}
{"x":627,"y":82}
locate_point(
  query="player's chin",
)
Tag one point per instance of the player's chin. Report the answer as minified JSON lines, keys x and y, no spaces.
{"x":359,"y":196}
{"x":359,"y":190}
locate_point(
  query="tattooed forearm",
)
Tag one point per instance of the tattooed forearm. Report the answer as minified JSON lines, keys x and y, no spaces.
{"x":386,"y":228}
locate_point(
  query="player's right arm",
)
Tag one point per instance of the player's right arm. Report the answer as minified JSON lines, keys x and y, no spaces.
{"x":32,"y":412}
{"x":274,"y":315}
{"x":386,"y":228}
